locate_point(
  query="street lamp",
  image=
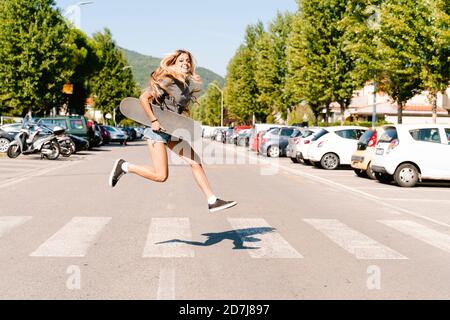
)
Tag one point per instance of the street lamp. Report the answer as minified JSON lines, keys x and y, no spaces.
{"x":73,"y":13}
{"x":221,"y":103}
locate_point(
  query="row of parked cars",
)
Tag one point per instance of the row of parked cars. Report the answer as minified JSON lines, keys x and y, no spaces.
{"x":85,"y":133}
{"x":405,"y":154}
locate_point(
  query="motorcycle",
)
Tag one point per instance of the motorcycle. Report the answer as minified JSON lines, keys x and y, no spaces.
{"x":29,"y":141}
{"x":65,"y":141}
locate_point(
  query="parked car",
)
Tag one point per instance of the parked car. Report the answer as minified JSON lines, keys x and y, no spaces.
{"x":293,"y":148}
{"x":97,"y":140}
{"x":228,"y":135}
{"x":12,"y":127}
{"x":117,"y":135}
{"x":244,"y":138}
{"x":306,"y":143}
{"x":363,"y":156}
{"x":130,"y":132}
{"x":106,"y":136}
{"x":258,"y":130}
{"x":275,"y":141}
{"x":411,"y":153}
{"x":335,"y":146}
{"x":76,"y":125}
{"x":5,"y":138}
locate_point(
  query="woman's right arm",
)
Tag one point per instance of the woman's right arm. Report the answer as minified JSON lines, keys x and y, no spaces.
{"x":144,"y":100}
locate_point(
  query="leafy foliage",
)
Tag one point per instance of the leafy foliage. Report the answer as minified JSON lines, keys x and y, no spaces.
{"x":36,"y":56}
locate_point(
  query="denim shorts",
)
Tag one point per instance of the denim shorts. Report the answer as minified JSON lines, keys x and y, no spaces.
{"x":157,"y":136}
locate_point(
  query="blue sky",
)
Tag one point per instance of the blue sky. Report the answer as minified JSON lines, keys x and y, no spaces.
{"x":212,"y":30}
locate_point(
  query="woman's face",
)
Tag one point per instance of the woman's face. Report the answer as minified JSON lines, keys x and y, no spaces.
{"x":183,"y":63}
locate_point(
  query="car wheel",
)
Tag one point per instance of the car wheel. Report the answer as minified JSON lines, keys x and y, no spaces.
{"x":294,"y":160}
{"x":383,"y":177}
{"x":370,"y":173}
{"x":406,"y":175}
{"x":4,"y":144}
{"x":360,"y":173}
{"x":329,"y":161}
{"x":273,"y":152}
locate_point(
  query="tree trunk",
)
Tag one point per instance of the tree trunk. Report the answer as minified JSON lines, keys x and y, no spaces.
{"x":400,"y":113}
{"x":342,"y":114}
{"x":433,"y":99}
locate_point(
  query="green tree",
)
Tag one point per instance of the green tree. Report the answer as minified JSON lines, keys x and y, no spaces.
{"x":434,"y":34}
{"x":35,"y":54}
{"x":114,"y":80}
{"x":241,"y":90}
{"x":209,"y":108}
{"x":307,"y":59}
{"x":86,"y":65}
{"x":399,"y":48}
{"x":318,"y":61}
{"x":271,"y":67}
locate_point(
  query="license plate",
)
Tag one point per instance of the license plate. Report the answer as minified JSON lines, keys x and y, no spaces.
{"x":380,"y":151}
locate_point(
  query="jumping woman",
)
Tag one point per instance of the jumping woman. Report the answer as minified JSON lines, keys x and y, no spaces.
{"x":169,"y":88}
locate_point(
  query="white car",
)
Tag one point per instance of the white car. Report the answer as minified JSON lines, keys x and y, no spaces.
{"x":410,"y":153}
{"x":334,"y":146}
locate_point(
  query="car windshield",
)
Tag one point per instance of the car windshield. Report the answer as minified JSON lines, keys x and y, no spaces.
{"x":389,"y":135}
{"x":365,"y":138}
{"x":319,"y":134}
{"x":306,"y":133}
{"x":111,"y":129}
{"x":287,"y":132}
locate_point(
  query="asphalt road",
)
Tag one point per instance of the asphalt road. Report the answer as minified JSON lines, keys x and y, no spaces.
{"x":298,"y":232}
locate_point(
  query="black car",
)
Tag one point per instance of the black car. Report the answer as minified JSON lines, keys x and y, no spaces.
{"x":5,"y":138}
{"x":80,"y":143}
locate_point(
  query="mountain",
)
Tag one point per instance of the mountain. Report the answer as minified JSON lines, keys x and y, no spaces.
{"x":143,"y":66}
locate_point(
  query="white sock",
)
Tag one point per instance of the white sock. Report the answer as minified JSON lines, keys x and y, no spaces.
{"x":212,"y":199}
{"x":125,"y":167}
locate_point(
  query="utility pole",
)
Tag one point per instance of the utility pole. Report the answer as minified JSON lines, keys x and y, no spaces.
{"x":73,"y":13}
{"x":221,"y":102}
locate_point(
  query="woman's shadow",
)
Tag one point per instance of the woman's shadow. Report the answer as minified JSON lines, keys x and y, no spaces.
{"x":237,"y":236}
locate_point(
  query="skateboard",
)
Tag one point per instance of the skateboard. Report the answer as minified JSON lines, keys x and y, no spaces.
{"x":177,"y":125}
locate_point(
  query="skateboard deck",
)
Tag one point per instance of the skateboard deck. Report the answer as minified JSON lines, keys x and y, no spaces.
{"x":177,"y":125}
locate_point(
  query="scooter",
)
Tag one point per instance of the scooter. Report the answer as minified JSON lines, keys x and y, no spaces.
{"x":29,"y":141}
{"x":66,"y":144}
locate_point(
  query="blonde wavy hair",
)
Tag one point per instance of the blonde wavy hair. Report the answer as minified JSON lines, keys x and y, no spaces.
{"x":166,"y":70}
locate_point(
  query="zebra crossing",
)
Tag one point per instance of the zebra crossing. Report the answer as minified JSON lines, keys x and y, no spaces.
{"x":172,"y":238}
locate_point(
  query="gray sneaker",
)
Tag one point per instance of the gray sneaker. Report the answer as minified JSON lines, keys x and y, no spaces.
{"x":221,"y":205}
{"x":116,"y":173}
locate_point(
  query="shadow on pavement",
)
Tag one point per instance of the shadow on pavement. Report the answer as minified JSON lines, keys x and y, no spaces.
{"x":237,"y":236}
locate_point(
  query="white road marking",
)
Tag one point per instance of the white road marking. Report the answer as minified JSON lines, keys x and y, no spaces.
{"x":418,"y":200}
{"x":166,"y":287}
{"x":7,"y":223}
{"x":356,"y":243}
{"x":168,"y":229}
{"x":346,"y":188}
{"x":420,"y":232}
{"x":74,"y":239}
{"x":269,"y":244}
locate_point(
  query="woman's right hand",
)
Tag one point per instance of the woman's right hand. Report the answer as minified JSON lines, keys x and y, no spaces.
{"x":156,"y":126}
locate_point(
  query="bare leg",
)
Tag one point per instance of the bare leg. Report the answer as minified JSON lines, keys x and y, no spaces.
{"x":197,"y":168}
{"x":160,"y":170}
